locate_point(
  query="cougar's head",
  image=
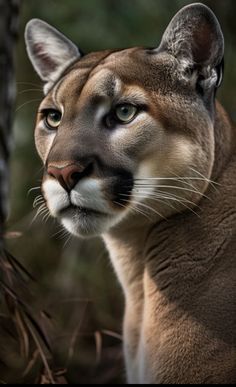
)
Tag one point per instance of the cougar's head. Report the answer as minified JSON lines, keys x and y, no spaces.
{"x":127,"y":135}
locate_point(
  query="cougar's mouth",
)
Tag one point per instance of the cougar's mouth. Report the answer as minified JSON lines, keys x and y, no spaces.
{"x":86,"y":211}
{"x":77,"y":210}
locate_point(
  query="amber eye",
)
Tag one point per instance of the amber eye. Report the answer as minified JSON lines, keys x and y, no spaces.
{"x":53,"y":119}
{"x":126,"y":113}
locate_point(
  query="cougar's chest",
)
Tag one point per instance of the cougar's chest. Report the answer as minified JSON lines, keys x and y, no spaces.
{"x":181,"y":344}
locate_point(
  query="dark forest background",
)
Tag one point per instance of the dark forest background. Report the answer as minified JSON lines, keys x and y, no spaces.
{"x":76,"y":296}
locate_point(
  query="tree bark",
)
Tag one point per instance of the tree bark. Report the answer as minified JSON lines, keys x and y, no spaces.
{"x":9,"y":11}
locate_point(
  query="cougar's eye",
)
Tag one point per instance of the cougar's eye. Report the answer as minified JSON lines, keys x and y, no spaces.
{"x":53,"y":119}
{"x":125,"y":113}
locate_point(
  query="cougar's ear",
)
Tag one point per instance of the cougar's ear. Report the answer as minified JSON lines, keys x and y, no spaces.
{"x":194,"y":36}
{"x":49,"y":51}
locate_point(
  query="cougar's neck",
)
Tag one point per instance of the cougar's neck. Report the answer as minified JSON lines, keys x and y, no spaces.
{"x":225,"y":141}
{"x":126,"y":253}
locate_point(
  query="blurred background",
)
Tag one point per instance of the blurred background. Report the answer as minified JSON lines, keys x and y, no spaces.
{"x":76,"y":295}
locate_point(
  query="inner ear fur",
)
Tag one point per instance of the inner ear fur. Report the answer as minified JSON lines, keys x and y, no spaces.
{"x":195,"y":38}
{"x":49,"y":51}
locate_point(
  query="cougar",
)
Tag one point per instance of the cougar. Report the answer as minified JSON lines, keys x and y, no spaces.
{"x":137,"y":149}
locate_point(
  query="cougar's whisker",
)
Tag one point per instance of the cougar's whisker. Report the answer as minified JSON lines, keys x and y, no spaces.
{"x":199,"y":177}
{"x":29,"y":90}
{"x":166,"y":196}
{"x":170,"y":178}
{"x":39,"y":204}
{"x":169,"y":197}
{"x":46,"y":217}
{"x":184,"y":181}
{"x":27,"y":103}
{"x":150,"y":186}
{"x":64,"y":235}
{"x":29,"y":84}
{"x":58,"y":233}
{"x":147,"y":195}
{"x":211,"y":182}
{"x":41,"y":211}
{"x":177,"y":179}
{"x":148,"y":208}
{"x":161,"y":194}
{"x":32,"y":190}
{"x":67,"y":240}
{"x":134,"y":209}
{"x":38,"y":200}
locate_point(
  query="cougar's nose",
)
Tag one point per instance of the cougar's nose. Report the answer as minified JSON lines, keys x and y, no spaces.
{"x":69,"y":175}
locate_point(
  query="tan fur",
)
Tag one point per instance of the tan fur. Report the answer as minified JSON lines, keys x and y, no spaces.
{"x":173,"y":239}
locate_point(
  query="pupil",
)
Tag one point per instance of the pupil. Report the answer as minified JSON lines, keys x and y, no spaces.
{"x":125,"y":110}
{"x":55,"y":117}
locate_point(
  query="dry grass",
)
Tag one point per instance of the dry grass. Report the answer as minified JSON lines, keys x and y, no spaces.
{"x":67,"y":346}
{"x":25,"y":347}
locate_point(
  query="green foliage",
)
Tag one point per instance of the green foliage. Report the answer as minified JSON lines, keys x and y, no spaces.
{"x":76,"y":282}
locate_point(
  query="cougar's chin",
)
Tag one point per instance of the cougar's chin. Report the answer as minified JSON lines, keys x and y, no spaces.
{"x":86,"y":223}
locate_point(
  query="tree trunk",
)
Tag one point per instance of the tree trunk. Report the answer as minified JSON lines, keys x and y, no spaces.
{"x":9,"y":11}
{"x":25,"y":331}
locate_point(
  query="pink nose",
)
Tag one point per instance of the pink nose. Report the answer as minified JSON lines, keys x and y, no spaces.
{"x":67,"y":176}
